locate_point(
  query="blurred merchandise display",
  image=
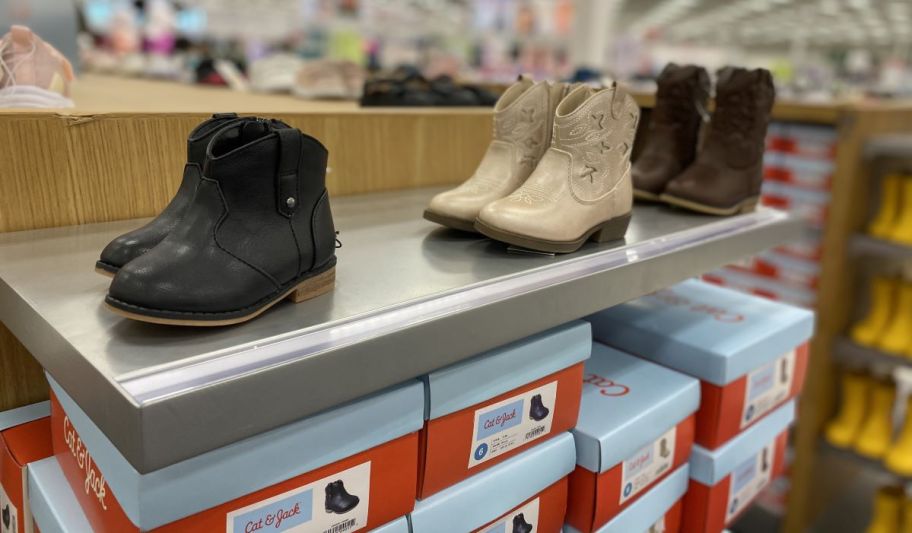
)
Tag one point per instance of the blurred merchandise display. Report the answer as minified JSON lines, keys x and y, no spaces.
{"x":888,"y":510}
{"x":32,"y":72}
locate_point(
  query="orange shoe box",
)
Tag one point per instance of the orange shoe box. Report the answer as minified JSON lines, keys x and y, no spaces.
{"x":352,"y":468}
{"x":749,"y":353}
{"x":659,"y":510}
{"x":636,"y":427}
{"x":492,"y":407}
{"x":725,"y":481}
{"x":526,"y":493}
{"x":25,"y":437}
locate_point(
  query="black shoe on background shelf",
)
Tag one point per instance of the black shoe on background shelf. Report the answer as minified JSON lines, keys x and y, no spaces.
{"x":131,"y":245}
{"x":338,"y":500}
{"x":259,"y":229}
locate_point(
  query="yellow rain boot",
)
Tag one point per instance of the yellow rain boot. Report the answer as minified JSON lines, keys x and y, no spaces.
{"x":883,"y":223}
{"x":897,"y":338}
{"x":888,"y":504}
{"x":899,"y":458}
{"x":880,"y":309}
{"x":843,"y":430}
{"x":902,"y":228}
{"x":877,"y":431}
{"x":906,"y":515}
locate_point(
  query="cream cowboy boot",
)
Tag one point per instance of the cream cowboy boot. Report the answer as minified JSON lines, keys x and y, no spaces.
{"x":522,"y":132}
{"x":581,"y":189}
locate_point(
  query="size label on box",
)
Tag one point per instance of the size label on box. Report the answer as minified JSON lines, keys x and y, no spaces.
{"x":513,"y":422}
{"x":647,"y":465}
{"x":522,"y":520}
{"x":767,"y":387}
{"x":748,"y":479}
{"x":658,"y":527}
{"x":334,"y":504}
{"x":9,"y":515}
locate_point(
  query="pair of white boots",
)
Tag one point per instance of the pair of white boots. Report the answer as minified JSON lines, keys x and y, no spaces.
{"x":557,"y":172}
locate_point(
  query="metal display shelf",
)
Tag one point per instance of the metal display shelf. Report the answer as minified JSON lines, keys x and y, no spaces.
{"x":861,"y":244}
{"x":411,"y":297}
{"x":850,"y":352}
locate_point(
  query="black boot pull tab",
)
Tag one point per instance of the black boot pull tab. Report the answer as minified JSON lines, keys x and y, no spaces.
{"x":338,"y":242}
{"x":224,"y":115}
{"x":287,"y":173}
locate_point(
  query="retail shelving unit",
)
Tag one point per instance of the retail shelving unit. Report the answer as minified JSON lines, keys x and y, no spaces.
{"x":815,"y":480}
{"x":849,"y":352}
{"x":407,"y":293}
{"x":411,"y":298}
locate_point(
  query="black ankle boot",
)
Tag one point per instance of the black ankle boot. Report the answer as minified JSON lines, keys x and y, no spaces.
{"x":538,"y":411}
{"x":259,"y":229}
{"x":520,"y":525}
{"x":131,"y":245}
{"x":338,"y":500}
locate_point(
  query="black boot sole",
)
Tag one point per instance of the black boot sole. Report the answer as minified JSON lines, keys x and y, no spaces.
{"x":315,"y":284}
{"x":105,"y":269}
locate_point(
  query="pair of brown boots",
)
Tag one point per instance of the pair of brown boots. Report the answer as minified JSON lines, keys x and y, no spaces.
{"x":557,"y":172}
{"x":724,"y":176}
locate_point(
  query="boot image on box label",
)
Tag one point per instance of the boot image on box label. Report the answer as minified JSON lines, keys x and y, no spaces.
{"x":9,"y":515}
{"x":334,"y":504}
{"x":748,"y":479}
{"x":522,"y":520}
{"x":513,"y":422}
{"x":647,"y":465}
{"x":767,"y":387}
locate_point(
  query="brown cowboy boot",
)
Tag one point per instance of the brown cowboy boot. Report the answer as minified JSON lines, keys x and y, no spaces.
{"x":728,"y":172}
{"x":674,"y":129}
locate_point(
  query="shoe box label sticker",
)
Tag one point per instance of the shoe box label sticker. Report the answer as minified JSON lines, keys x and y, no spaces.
{"x":658,"y":527}
{"x":9,"y":515}
{"x":767,"y":387}
{"x":647,"y":465}
{"x":334,"y":504}
{"x":748,"y":479}
{"x":521,"y":520}
{"x":513,"y":422}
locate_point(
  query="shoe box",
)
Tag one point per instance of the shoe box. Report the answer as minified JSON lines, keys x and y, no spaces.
{"x":744,"y":281}
{"x":810,"y":205}
{"x":800,"y":171}
{"x":25,"y":437}
{"x":54,"y":505}
{"x":484,"y":410}
{"x":781,"y":268}
{"x":725,"y":481}
{"x":636,"y":427}
{"x":525,"y":493}
{"x":749,"y":353}
{"x":352,"y":467}
{"x":804,"y":140}
{"x":660,"y":509}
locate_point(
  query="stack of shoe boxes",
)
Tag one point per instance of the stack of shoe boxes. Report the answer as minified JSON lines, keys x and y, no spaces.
{"x":495,"y":448}
{"x":750,"y":355}
{"x":798,"y":168}
{"x":633,"y":441}
{"x":352,"y":467}
{"x":25,"y":437}
{"x":677,"y":432}
{"x":362,"y":466}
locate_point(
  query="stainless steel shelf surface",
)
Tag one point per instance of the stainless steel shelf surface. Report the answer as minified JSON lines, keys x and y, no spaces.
{"x":411,"y":297}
